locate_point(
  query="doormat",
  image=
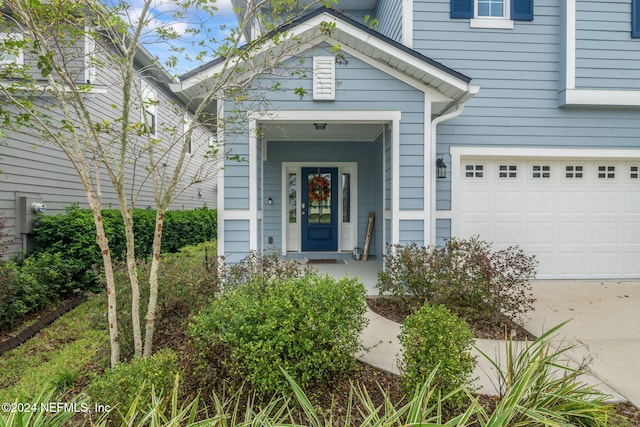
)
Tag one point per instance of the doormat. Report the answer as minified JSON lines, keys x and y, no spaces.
{"x":325,"y":261}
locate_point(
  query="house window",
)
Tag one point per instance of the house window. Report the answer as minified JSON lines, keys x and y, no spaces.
{"x":149,"y":108}
{"x":491,"y":8}
{"x":606,"y":172}
{"x":574,"y":172}
{"x":507,"y":171}
{"x":492,"y":13}
{"x":474,"y":171}
{"x":540,"y":171}
{"x":346,"y":197}
{"x":11,"y":52}
{"x":185,"y":128}
{"x":292,"y":198}
{"x":634,"y":172}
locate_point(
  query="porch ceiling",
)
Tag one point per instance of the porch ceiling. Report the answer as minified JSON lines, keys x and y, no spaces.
{"x":334,"y":131}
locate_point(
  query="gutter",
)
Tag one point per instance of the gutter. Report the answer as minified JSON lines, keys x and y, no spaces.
{"x":458,"y":104}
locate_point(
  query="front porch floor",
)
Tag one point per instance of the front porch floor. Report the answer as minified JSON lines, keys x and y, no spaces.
{"x":366,"y":271}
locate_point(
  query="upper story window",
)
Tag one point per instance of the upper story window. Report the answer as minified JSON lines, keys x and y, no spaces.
{"x":492,"y":13}
{"x":10,"y":50}
{"x":149,"y":107}
{"x":635,"y":18}
{"x":490,"y":8}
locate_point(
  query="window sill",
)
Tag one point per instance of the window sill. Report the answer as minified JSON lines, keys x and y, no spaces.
{"x":497,"y":23}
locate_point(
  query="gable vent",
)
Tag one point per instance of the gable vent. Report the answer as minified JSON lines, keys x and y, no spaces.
{"x":324,"y":76}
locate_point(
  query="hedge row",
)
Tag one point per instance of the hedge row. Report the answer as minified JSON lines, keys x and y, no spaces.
{"x":73,"y":233}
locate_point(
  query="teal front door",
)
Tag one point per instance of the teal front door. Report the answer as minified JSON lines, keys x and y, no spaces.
{"x":319,"y":209}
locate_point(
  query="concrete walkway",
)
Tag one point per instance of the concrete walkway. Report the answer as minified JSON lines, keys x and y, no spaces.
{"x":604,"y":326}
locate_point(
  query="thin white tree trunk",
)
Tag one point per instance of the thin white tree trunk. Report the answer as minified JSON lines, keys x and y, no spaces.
{"x":103,"y":243}
{"x":153,"y":285}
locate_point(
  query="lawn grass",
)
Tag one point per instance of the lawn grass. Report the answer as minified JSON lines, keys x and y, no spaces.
{"x":56,"y":355}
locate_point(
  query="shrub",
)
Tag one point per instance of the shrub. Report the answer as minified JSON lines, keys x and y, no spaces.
{"x":465,"y":275}
{"x":307,"y":325}
{"x":433,"y":337}
{"x":119,"y":386}
{"x":257,"y":268}
{"x":73,"y":234}
{"x":40,"y":280}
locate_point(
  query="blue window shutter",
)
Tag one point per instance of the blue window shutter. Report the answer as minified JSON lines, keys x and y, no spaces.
{"x":522,"y":10}
{"x":635,"y":18}
{"x":462,"y":9}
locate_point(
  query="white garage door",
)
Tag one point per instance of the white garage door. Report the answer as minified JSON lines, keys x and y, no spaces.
{"x":581,"y":218}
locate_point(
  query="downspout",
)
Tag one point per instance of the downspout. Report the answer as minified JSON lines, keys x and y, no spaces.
{"x":459,"y":108}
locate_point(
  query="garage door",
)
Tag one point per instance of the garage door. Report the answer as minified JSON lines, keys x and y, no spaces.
{"x":581,"y":218}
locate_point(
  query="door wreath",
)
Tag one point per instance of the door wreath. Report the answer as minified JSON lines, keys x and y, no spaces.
{"x":319,"y":188}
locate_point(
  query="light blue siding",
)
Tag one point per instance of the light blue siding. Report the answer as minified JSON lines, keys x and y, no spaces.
{"x":389,"y":13}
{"x":443,"y":230}
{"x":359,"y":87}
{"x":411,"y":231}
{"x":519,"y":74}
{"x":606,"y":55}
{"x":443,"y":185}
{"x":236,"y":239}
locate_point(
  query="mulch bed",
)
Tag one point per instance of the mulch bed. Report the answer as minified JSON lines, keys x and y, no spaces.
{"x":392,"y":309}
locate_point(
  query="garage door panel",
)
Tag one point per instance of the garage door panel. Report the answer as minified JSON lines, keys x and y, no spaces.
{"x":577,"y":227}
{"x":606,"y":202}
{"x":605,"y":264}
{"x":541,"y":232}
{"x":577,"y":202}
{"x":542,"y":202}
{"x":607,"y":232}
{"x":506,"y":232}
{"x":469,"y":229}
{"x":630,"y":234}
{"x":632,"y":202}
{"x":508,"y":202}
{"x":571,"y":233}
{"x":475,"y":202}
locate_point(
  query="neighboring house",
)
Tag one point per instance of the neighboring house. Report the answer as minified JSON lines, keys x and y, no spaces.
{"x":514,"y":121}
{"x":35,"y":171}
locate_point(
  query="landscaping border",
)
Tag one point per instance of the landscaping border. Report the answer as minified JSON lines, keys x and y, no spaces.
{"x":42,"y":323}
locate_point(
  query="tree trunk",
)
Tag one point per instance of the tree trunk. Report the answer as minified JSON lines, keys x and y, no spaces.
{"x":103,"y":243}
{"x":153,"y":284}
{"x":133,"y":281}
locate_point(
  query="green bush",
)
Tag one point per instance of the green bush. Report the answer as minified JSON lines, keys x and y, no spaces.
{"x":262,"y":269}
{"x":73,"y":234}
{"x":465,"y":275}
{"x":308,"y":326}
{"x":433,"y":337}
{"x":120,"y":386}
{"x":37,"y":282}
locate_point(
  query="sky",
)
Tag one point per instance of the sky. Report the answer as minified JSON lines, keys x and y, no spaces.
{"x":218,"y":26}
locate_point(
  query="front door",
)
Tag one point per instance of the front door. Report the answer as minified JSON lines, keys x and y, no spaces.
{"x":319,"y":209}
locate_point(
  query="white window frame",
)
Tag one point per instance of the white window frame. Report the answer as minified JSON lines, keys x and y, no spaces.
{"x":90,"y":69}
{"x":500,"y":22}
{"x":186,"y":123}
{"x":19,"y":57}
{"x":149,"y":93}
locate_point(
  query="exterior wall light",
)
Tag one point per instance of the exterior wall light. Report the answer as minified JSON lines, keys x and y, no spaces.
{"x":442,"y":168}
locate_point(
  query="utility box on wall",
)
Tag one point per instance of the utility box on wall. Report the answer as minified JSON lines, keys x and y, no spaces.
{"x":27,"y":207}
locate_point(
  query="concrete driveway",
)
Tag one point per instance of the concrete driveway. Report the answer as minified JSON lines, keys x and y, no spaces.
{"x":604,"y":317}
